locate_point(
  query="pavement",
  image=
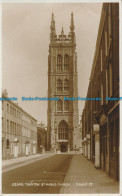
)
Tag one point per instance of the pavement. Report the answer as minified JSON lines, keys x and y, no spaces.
{"x":14,"y":161}
{"x":83,"y":177}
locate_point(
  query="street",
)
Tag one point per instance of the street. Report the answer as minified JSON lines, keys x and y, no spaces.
{"x":60,"y":173}
{"x":42,"y":176}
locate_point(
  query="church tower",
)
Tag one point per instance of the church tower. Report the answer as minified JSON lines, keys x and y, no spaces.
{"x":62,"y":114}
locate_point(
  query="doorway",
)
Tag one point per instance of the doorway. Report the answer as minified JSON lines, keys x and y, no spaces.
{"x":63,"y":148}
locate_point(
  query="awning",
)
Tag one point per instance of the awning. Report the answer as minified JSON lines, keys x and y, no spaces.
{"x":16,"y":140}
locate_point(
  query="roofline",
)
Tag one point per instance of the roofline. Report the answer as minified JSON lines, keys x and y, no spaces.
{"x":100,"y":31}
{"x":16,"y":104}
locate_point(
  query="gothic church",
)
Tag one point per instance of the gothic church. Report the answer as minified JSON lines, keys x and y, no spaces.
{"x":62,"y":115}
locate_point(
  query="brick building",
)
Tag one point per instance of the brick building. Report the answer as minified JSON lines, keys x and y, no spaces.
{"x":19,"y":130}
{"x":100,"y":119}
{"x":63,"y":116}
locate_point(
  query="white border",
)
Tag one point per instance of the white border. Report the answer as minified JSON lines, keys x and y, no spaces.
{"x":0,"y":95}
{"x":120,"y":71}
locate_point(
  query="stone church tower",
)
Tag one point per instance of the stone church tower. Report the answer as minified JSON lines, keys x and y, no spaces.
{"x":63,"y":116}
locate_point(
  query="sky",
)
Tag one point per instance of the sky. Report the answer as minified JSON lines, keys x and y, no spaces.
{"x":25,"y":45}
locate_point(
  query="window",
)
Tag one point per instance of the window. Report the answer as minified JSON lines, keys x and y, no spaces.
{"x":10,"y":127}
{"x":15,"y":112}
{"x":59,"y":86}
{"x":66,"y":85}
{"x":10,"y":109}
{"x":7,"y":126}
{"x":63,"y":130}
{"x":22,"y":131}
{"x":59,"y":62}
{"x":7,"y":107}
{"x":19,"y":133}
{"x":13,"y":127}
{"x":7,"y":143}
{"x":17,"y":129}
{"x":66,"y":62}
{"x":59,"y":105}
{"x":66,"y":105}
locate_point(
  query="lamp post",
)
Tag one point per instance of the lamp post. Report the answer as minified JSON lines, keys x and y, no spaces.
{"x":55,"y":128}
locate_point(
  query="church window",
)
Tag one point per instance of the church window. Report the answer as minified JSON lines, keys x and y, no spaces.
{"x":59,"y":62}
{"x":59,"y":86}
{"x":66,"y":62}
{"x":63,"y":130}
{"x":59,"y":106}
{"x":66,"y":105}
{"x":66,"y":85}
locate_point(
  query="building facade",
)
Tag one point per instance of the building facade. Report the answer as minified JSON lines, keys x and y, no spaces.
{"x":19,"y":131}
{"x":62,"y":82}
{"x":41,"y":139}
{"x":100,"y":118}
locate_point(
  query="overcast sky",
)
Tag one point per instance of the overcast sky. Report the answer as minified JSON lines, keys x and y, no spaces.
{"x":25,"y":44}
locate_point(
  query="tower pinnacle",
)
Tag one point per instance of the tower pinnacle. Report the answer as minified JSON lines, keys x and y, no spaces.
{"x":72,"y":23}
{"x":52,"y":26}
{"x":62,"y":32}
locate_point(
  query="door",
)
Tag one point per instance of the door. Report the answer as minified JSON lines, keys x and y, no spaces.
{"x":63,"y":147}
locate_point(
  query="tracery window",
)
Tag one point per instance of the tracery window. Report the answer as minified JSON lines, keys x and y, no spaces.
{"x":63,"y":130}
{"x":66,"y":62}
{"x":59,"y":106}
{"x":59,"y":86}
{"x":59,"y":62}
{"x":66,"y":85}
{"x":66,"y":105}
